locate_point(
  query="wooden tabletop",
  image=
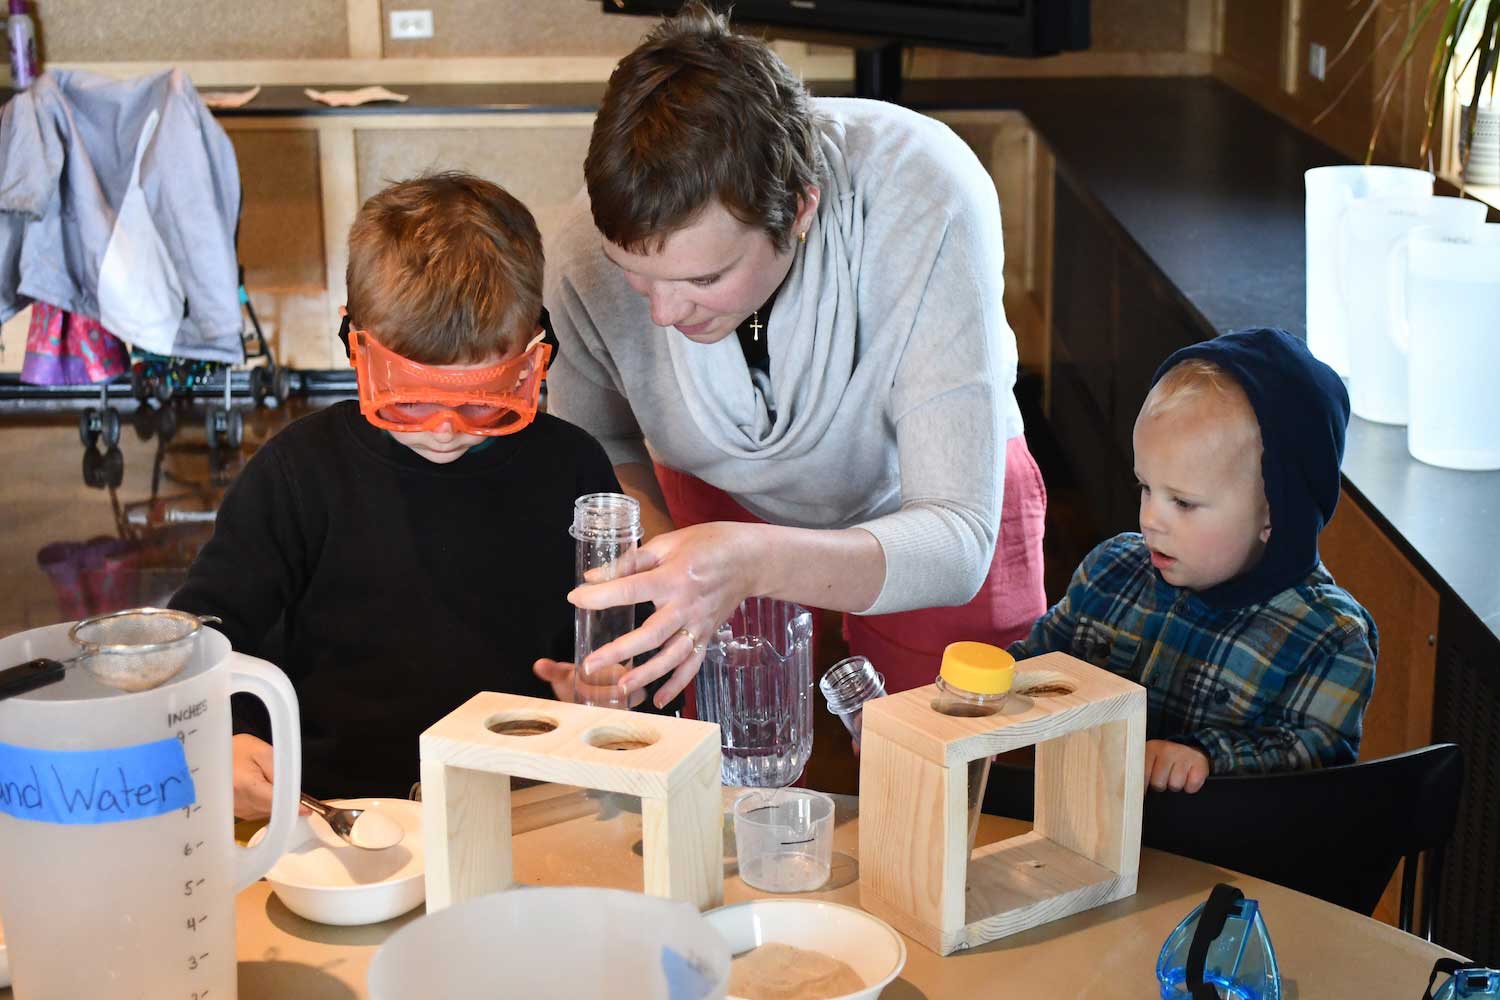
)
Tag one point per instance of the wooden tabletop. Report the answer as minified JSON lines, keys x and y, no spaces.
{"x":567,"y":838}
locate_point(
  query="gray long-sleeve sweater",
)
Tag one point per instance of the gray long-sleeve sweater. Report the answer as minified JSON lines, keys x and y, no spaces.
{"x":889,"y":400}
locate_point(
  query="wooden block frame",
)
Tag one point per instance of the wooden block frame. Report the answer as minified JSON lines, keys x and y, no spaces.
{"x":469,"y":757}
{"x":915,"y":868}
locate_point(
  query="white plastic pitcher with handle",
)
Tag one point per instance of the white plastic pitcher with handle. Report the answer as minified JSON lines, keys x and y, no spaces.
{"x":118,"y":866}
{"x":1452,"y":305}
{"x":1376,"y":234}
{"x":1330,"y":191}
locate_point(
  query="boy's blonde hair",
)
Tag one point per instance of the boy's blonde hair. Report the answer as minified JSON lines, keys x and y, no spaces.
{"x":445,"y":269}
{"x":1197,"y":380}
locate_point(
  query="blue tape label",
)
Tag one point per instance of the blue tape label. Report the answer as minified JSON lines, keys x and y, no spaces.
{"x":687,"y":977}
{"x":95,"y":786}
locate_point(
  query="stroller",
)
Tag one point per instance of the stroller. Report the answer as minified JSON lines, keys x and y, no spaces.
{"x":158,"y":379}
{"x":143,"y":208}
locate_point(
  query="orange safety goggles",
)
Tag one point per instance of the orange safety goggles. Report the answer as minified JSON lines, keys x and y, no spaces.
{"x":401,"y":395}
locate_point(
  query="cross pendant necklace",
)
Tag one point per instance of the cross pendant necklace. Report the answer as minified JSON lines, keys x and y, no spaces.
{"x":756,"y":326}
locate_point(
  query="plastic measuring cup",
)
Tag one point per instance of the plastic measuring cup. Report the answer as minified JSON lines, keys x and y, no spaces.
{"x":784,"y":838}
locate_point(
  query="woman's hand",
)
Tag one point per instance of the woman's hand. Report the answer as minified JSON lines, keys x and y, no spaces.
{"x":560,"y":675}
{"x":696,"y":577}
{"x":1175,"y":766}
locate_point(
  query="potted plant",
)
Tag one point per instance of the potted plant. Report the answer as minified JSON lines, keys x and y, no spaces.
{"x":1469,"y":38}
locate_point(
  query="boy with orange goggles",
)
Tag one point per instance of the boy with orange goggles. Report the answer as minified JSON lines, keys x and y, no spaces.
{"x":411,"y":548}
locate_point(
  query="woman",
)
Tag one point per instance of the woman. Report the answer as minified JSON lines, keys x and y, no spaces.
{"x":782,"y":317}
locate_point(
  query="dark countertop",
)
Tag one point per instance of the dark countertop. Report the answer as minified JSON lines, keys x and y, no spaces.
{"x":1208,"y":186}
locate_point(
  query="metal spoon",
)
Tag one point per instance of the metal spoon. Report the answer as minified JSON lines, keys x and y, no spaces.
{"x":369,"y":829}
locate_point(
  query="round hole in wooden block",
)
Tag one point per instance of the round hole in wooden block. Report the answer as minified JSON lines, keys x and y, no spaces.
{"x":964,"y":711}
{"x":620,"y":737}
{"x":519,"y":724}
{"x":1043,"y":683}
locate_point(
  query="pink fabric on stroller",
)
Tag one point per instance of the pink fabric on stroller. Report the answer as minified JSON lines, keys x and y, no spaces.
{"x":64,"y":348}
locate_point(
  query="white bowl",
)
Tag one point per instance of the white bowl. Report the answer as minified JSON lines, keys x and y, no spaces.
{"x":872,"y":949}
{"x":329,"y":881}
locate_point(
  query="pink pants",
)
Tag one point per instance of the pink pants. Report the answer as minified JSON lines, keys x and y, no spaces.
{"x":907,"y":647}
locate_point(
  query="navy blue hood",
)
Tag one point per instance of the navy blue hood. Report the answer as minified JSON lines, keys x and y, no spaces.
{"x":1303,"y":410}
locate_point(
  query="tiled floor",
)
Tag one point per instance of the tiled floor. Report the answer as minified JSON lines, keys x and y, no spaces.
{"x":84,"y":530}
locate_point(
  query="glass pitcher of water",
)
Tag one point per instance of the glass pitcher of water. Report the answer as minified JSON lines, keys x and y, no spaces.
{"x":118,"y":866}
{"x":756,"y":683}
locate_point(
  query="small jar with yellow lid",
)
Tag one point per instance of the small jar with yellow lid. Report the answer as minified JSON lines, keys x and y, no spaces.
{"x":974,"y":681}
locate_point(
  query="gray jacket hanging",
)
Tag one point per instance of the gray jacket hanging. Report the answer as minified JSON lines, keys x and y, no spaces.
{"x":119,"y":200}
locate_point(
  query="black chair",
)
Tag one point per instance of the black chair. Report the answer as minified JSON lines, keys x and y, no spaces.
{"x":1335,"y":833}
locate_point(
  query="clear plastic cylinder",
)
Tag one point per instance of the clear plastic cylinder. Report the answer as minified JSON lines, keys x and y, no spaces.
{"x":974,"y":682}
{"x":846,"y":687}
{"x":606,"y":528}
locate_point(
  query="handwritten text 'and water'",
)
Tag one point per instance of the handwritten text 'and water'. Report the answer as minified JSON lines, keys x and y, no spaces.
{"x":95,"y":786}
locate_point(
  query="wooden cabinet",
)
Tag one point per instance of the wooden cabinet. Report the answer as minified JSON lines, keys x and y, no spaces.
{"x":1367,"y":563}
{"x":1113,"y":323}
{"x":1081,"y":392}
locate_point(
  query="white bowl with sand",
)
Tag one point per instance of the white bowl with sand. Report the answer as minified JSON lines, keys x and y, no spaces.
{"x":864,"y":945}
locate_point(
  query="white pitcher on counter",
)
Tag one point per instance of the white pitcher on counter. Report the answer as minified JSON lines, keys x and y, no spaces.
{"x":1330,"y":192}
{"x":1376,"y":235}
{"x":1453,"y":313}
{"x":118,"y":866}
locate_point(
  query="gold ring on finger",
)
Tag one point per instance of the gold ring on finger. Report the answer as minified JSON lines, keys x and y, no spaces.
{"x":698,"y":647}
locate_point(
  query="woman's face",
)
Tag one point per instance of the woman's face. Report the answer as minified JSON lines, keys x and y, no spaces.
{"x":712,"y":273}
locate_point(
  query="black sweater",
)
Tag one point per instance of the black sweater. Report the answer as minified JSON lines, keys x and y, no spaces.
{"x":391,"y":589}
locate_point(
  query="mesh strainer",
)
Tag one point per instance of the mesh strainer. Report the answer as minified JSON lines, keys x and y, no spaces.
{"x":133,"y":650}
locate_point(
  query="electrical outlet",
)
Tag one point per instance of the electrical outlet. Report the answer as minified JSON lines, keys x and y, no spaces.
{"x":411,"y":24}
{"x":1317,"y":61}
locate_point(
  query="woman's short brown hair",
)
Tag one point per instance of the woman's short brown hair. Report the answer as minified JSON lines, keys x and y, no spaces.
{"x":445,"y":269}
{"x":698,"y":112}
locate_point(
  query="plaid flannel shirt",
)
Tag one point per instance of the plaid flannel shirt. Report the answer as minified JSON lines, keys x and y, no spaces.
{"x":1275,"y":686}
